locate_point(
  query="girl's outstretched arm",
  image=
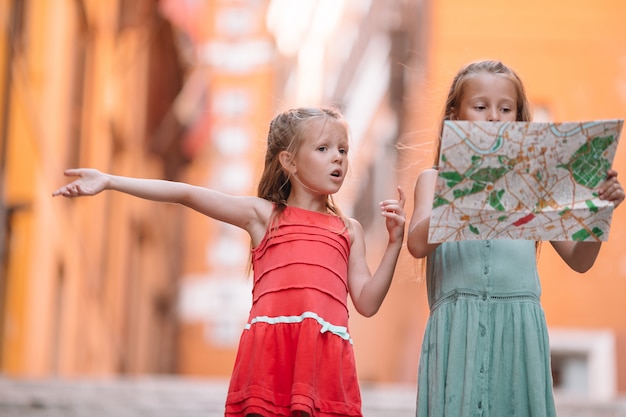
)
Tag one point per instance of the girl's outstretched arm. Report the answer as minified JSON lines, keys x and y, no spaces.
{"x":417,"y":240}
{"x":580,"y":256}
{"x":249,"y":213}
{"x":366,"y":290}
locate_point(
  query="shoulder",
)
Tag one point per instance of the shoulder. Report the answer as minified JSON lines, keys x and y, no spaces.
{"x":263,"y":206}
{"x":259,"y":222}
{"x":355,"y":230}
{"x":354,"y":224}
{"x":426,"y":178}
{"x":261,"y":209}
{"x":429,"y":172}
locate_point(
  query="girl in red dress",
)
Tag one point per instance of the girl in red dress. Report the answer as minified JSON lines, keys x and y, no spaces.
{"x":295,"y":355}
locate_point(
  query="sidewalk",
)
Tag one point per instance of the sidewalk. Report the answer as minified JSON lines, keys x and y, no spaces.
{"x":154,"y":397}
{"x":186,"y":397}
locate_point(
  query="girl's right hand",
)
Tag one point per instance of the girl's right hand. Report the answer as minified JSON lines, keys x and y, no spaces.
{"x":89,"y":182}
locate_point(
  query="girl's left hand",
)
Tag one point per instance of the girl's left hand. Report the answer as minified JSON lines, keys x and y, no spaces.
{"x":611,"y":190}
{"x":393,"y":210}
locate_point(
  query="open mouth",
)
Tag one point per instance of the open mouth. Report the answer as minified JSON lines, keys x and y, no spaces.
{"x":336,"y":173}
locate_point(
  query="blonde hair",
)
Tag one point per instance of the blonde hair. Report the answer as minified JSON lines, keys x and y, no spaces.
{"x":287,"y":132}
{"x":470,"y":71}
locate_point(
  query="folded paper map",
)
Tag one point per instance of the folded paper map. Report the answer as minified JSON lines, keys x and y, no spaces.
{"x":523,"y":180}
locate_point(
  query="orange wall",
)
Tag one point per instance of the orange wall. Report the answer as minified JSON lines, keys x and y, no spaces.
{"x":69,"y":309}
{"x":571,"y":59}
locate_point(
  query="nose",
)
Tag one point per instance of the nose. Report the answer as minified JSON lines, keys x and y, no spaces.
{"x":493,"y":116}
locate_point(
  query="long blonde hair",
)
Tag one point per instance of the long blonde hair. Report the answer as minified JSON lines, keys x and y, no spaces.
{"x":470,"y":71}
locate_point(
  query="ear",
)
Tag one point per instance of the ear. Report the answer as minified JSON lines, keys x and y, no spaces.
{"x":453,"y":114}
{"x":287,"y":162}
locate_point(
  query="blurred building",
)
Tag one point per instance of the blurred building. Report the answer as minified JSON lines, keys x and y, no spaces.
{"x":87,"y":287}
{"x":185,"y":91}
{"x":117,"y":285}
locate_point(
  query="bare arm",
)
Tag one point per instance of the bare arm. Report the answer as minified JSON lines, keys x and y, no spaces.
{"x":366,"y":290}
{"x":417,"y":240}
{"x":580,"y":256}
{"x":249,"y":213}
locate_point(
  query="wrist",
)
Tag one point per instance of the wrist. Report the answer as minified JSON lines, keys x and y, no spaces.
{"x":109,"y":182}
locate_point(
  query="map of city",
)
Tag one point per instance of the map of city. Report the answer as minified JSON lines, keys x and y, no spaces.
{"x":523,"y":180}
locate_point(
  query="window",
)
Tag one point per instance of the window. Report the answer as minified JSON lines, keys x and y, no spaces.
{"x":583,"y":363}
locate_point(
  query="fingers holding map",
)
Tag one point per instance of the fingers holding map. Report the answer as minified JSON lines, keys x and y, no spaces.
{"x":523,"y":180}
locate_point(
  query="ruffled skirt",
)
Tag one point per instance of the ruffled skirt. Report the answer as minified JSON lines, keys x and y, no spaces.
{"x":296,"y":364}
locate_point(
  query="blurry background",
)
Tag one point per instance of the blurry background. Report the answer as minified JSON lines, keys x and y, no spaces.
{"x":185,"y":90}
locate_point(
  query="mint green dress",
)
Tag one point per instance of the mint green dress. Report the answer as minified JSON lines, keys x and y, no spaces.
{"x":485,"y":350}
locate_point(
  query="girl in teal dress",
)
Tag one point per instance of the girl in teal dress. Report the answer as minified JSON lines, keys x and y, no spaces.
{"x":485,"y":350}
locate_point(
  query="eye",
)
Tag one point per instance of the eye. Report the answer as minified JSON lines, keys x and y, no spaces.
{"x":506,"y":110}
{"x":343,"y":151}
{"x":480,"y":107}
{"x":323,"y":148}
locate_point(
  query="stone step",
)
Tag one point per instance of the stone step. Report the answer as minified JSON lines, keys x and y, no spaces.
{"x":190,"y":397}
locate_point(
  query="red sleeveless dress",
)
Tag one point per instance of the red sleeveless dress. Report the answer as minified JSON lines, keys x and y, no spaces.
{"x":295,"y":353}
